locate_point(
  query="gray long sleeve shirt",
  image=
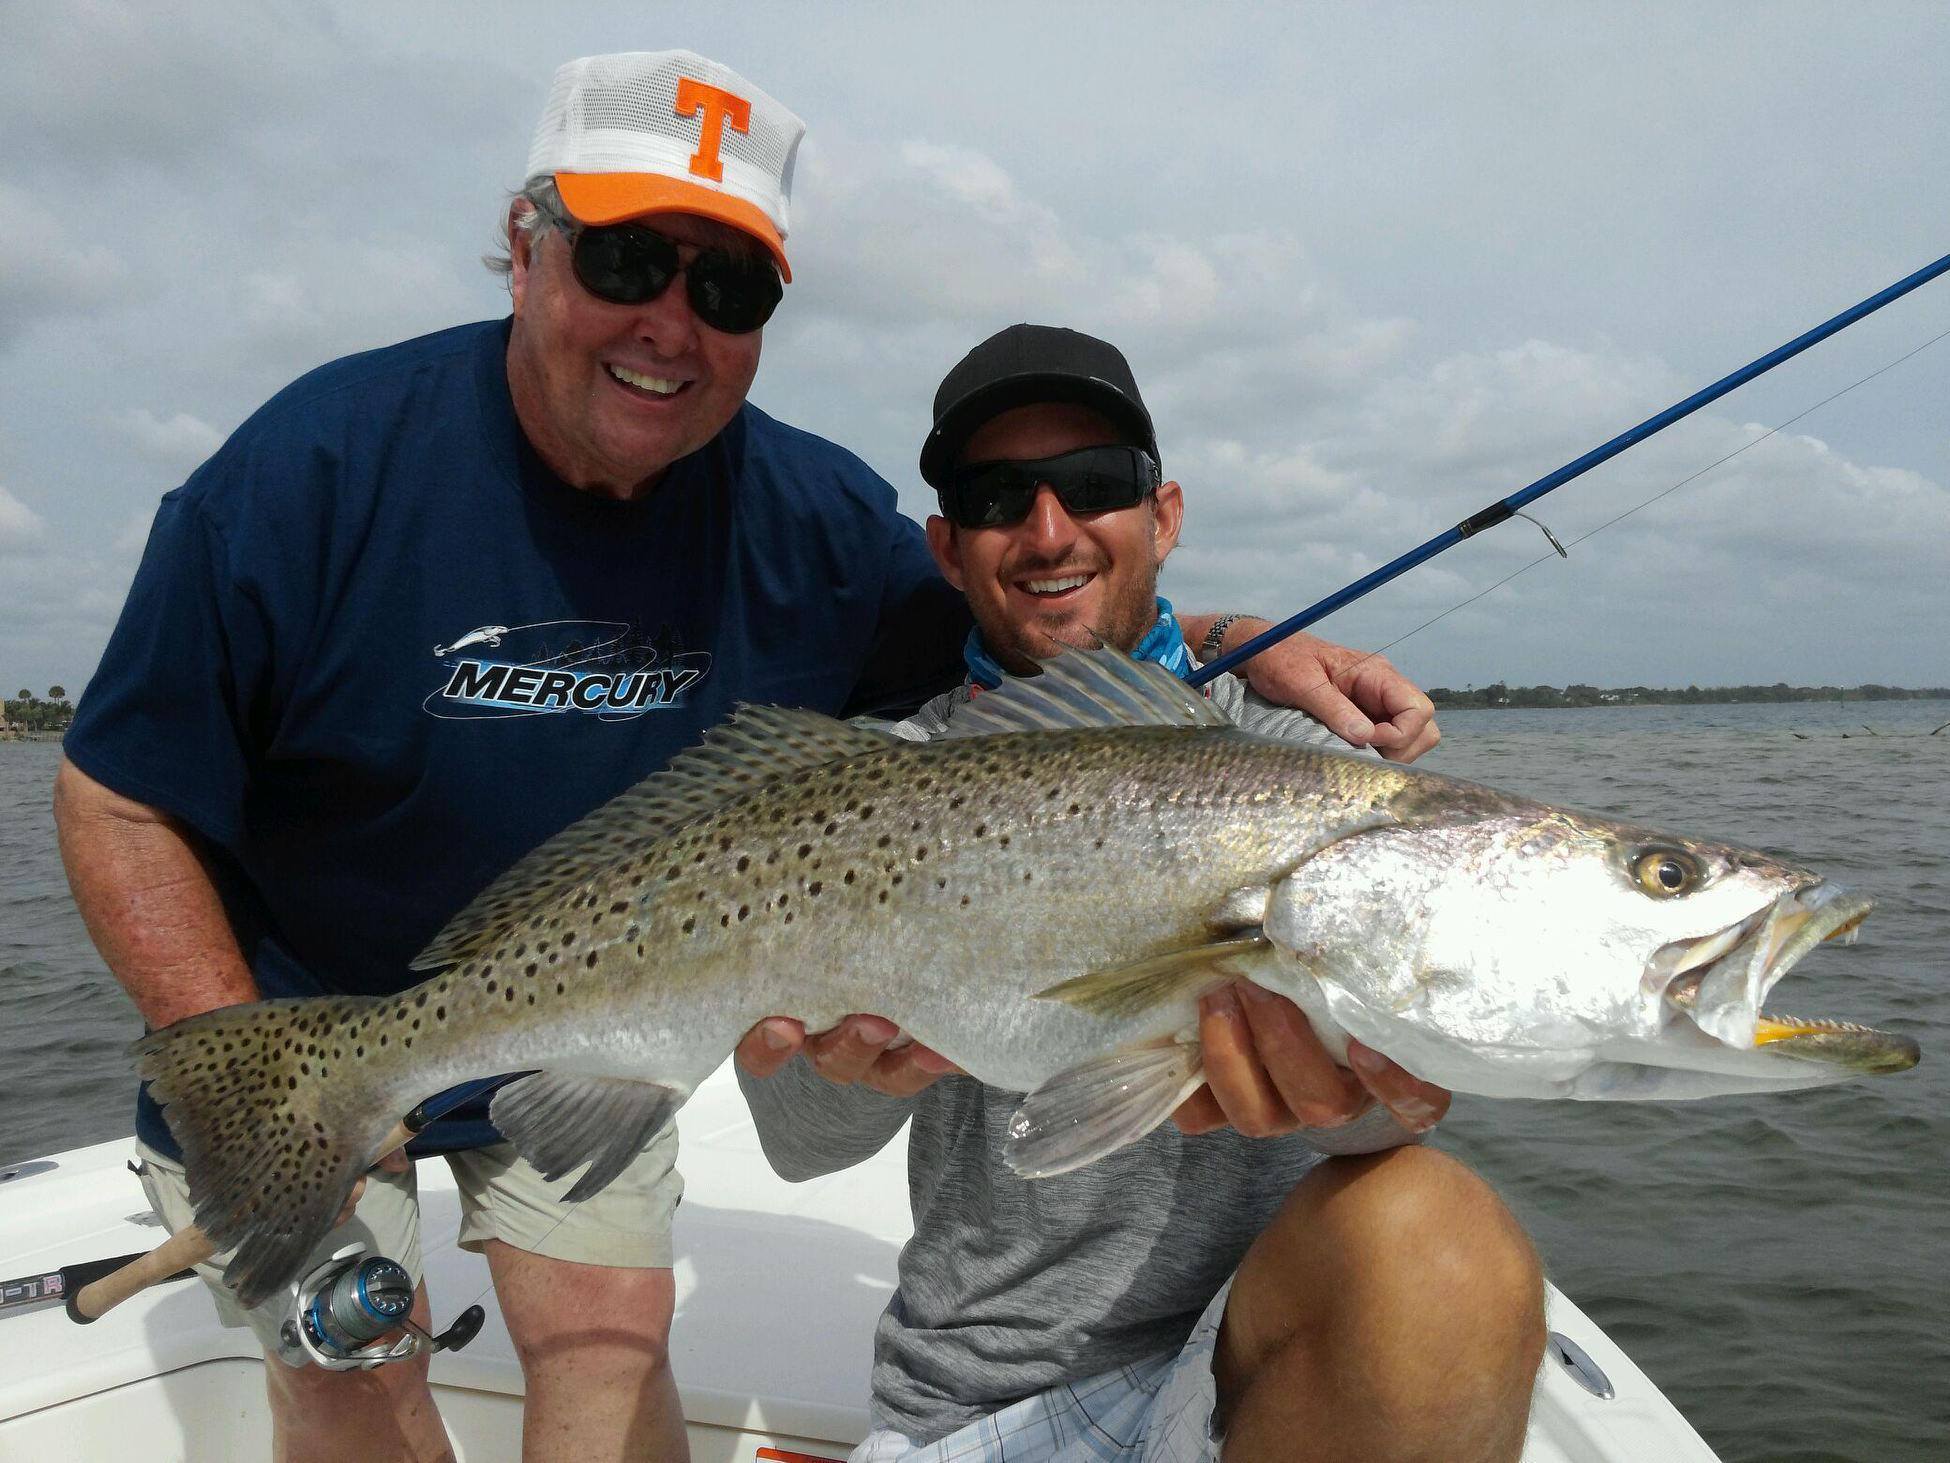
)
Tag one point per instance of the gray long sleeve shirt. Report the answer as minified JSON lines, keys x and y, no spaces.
{"x":1010,"y":1286}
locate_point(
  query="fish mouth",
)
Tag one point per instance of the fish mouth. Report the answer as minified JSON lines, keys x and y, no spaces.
{"x":1719,"y":982}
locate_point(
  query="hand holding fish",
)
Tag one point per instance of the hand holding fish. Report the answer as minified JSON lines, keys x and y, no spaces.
{"x":1268,"y":1074}
{"x":1362,"y":699}
{"x":859,"y":1049}
{"x":393,"y":1162}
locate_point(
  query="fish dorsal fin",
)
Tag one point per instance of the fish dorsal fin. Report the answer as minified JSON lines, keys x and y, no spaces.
{"x":1086,"y":688}
{"x":759,"y":745}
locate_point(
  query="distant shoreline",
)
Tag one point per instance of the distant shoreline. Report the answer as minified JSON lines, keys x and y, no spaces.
{"x":1500,"y":697}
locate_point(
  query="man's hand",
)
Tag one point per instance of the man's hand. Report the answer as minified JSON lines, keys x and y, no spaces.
{"x":860,"y":1049}
{"x":394,"y":1162}
{"x":1267,"y":1073}
{"x":1361,"y":699}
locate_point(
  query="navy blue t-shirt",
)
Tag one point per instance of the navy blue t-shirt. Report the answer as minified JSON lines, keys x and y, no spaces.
{"x":376,"y":651}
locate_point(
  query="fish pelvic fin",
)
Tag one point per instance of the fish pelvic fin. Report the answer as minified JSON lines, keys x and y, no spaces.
{"x":1080,"y":689}
{"x":758,"y":746}
{"x":557,"y":1121}
{"x":279,"y":1107}
{"x":1093,"y":1109}
{"x":1129,"y":990}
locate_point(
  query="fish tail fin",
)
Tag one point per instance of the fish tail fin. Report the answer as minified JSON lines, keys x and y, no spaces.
{"x":279,"y":1107}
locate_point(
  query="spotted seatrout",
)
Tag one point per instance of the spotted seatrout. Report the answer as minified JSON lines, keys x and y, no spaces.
{"x":1043,"y":903}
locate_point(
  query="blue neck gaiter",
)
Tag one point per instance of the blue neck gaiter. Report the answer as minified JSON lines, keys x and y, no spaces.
{"x":1164,"y":643}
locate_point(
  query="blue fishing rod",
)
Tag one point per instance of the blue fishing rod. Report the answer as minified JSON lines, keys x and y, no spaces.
{"x":1508,"y":507}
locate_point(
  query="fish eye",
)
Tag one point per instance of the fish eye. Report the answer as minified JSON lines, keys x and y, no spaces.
{"x":1666,"y":872}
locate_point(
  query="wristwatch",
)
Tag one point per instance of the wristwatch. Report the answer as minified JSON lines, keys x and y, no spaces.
{"x":1215,"y":638}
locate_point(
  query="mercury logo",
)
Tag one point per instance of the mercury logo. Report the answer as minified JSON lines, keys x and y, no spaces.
{"x":599,"y":668}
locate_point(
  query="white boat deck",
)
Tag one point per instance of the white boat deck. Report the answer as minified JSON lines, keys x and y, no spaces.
{"x":778,"y":1288}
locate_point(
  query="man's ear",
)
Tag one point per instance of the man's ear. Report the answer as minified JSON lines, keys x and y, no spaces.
{"x":521,"y":253}
{"x":946,"y":549}
{"x":1167,"y":517}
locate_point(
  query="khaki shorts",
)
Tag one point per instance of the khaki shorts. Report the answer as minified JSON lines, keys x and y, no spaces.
{"x":502,"y":1197}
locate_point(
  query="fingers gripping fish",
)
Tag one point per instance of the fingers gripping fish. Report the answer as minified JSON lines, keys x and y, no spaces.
{"x":1043,"y":903}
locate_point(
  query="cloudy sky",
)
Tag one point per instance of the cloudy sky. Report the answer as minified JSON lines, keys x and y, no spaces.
{"x":1374,"y":267}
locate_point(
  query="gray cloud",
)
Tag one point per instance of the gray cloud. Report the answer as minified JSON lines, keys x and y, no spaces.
{"x":20,"y":526}
{"x":1414,"y":260}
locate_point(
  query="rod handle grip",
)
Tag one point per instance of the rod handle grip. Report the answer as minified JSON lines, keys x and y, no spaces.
{"x":188,"y":1246}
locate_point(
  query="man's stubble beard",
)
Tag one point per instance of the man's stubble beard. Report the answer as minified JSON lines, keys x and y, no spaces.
{"x":1125,"y":618}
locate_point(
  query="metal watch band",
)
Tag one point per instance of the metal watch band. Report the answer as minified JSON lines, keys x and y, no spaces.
{"x":1215,"y":638}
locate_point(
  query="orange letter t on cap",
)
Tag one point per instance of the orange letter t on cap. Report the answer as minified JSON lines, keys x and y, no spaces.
{"x":718,"y":108}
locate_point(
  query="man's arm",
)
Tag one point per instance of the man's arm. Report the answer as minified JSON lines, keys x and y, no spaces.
{"x":841,"y":1102}
{"x":148,"y":901}
{"x":1361,"y":698}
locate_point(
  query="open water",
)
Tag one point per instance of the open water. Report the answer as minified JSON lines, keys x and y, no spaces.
{"x":1777,"y":1264}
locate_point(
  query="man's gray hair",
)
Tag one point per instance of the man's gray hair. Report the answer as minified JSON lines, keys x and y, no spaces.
{"x":544,"y":206}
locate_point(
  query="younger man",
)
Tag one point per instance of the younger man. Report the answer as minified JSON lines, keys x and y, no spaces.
{"x":1184,"y":1289}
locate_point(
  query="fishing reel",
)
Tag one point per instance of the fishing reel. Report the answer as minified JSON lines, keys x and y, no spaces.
{"x":344,"y":1311}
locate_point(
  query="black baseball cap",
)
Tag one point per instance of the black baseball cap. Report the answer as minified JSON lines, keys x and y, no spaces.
{"x":1031,"y":363}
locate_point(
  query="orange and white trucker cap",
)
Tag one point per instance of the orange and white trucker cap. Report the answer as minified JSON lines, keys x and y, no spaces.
{"x":644,"y":132}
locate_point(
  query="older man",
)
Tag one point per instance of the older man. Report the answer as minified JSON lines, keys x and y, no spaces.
{"x":433,"y":603}
{"x":1186,"y":1288}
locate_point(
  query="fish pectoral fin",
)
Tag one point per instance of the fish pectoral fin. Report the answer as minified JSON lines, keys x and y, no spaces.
{"x":557,"y":1121}
{"x":1078,"y":1116}
{"x":1126,"y":990}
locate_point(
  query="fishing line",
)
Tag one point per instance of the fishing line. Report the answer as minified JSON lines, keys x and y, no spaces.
{"x":1559,"y":551}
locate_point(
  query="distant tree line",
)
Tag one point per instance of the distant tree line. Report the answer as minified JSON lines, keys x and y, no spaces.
{"x":1499,"y":694}
{"x":26,"y":712}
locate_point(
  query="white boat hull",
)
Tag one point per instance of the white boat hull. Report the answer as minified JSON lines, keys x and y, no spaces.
{"x":778,"y":1288}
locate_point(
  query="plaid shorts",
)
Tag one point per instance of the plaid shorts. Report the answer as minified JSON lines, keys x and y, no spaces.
{"x":1158,"y":1410}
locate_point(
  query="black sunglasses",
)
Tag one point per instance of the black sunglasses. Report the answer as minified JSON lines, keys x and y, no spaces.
{"x":628,"y":264}
{"x":1089,"y":480}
